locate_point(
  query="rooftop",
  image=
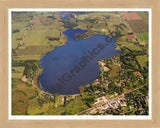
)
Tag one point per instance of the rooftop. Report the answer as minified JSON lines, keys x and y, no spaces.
{"x":130,"y":36}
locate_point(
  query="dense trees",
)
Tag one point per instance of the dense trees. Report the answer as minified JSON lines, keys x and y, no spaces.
{"x":137,"y":98}
{"x":30,"y":69}
{"x":52,"y":17}
{"x":80,"y":36}
{"x":68,"y":24}
{"x":16,"y":31}
{"x":31,"y":66}
{"x":114,"y":88}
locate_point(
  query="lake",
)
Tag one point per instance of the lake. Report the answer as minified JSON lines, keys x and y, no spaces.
{"x":74,"y":64}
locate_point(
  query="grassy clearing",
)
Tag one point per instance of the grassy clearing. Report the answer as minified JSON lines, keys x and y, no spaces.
{"x":17,"y":72}
{"x":130,"y":46}
{"x":142,"y":60}
{"x":118,"y":22}
{"x":142,"y":36}
{"x":114,"y":71}
{"x":34,"y":108}
{"x":17,"y":36}
{"x":134,"y":47}
{"x":28,"y":57}
{"x":38,"y":37}
{"x":82,"y":25}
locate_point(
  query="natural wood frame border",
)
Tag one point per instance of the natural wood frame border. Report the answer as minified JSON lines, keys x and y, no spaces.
{"x":6,"y":4}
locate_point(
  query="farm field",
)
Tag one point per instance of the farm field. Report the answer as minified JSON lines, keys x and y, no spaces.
{"x":33,"y":50}
{"x":38,"y":37}
{"x":138,"y":26}
{"x":144,"y":16}
{"x":17,"y":72}
{"x":28,"y":57}
{"x":142,"y":36}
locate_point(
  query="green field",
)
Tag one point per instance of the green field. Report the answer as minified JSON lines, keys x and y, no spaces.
{"x":38,"y":37}
{"x":28,"y":57}
{"x":113,"y":22}
{"x":144,"y":16}
{"x":142,"y":36}
{"x":72,"y":107}
{"x":131,"y":46}
{"x":34,"y":107}
{"x":142,"y":60}
{"x":16,"y":37}
{"x":17,"y":72}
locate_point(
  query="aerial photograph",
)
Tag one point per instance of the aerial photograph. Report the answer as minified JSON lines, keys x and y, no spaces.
{"x":80,"y":63}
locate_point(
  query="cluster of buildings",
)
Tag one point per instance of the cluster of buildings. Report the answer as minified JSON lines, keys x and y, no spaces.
{"x":114,"y":103}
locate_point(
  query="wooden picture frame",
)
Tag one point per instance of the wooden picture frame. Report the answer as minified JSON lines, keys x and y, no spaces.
{"x":4,"y":63}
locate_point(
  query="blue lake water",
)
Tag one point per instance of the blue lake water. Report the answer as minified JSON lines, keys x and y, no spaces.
{"x":74,"y":64}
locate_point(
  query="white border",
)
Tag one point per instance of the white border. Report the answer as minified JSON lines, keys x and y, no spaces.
{"x":80,"y":117}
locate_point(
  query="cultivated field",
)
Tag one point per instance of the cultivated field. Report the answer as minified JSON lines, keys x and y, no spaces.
{"x":138,"y":26}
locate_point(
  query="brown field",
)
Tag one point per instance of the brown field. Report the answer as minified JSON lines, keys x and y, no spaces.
{"x":138,"y":26}
{"x":29,"y":91}
{"x":21,"y":86}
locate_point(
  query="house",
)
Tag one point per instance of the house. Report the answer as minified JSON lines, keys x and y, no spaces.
{"x":123,"y":104}
{"x":130,"y":36}
{"x":97,"y":81}
{"x":63,"y":100}
{"x":24,"y":79}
